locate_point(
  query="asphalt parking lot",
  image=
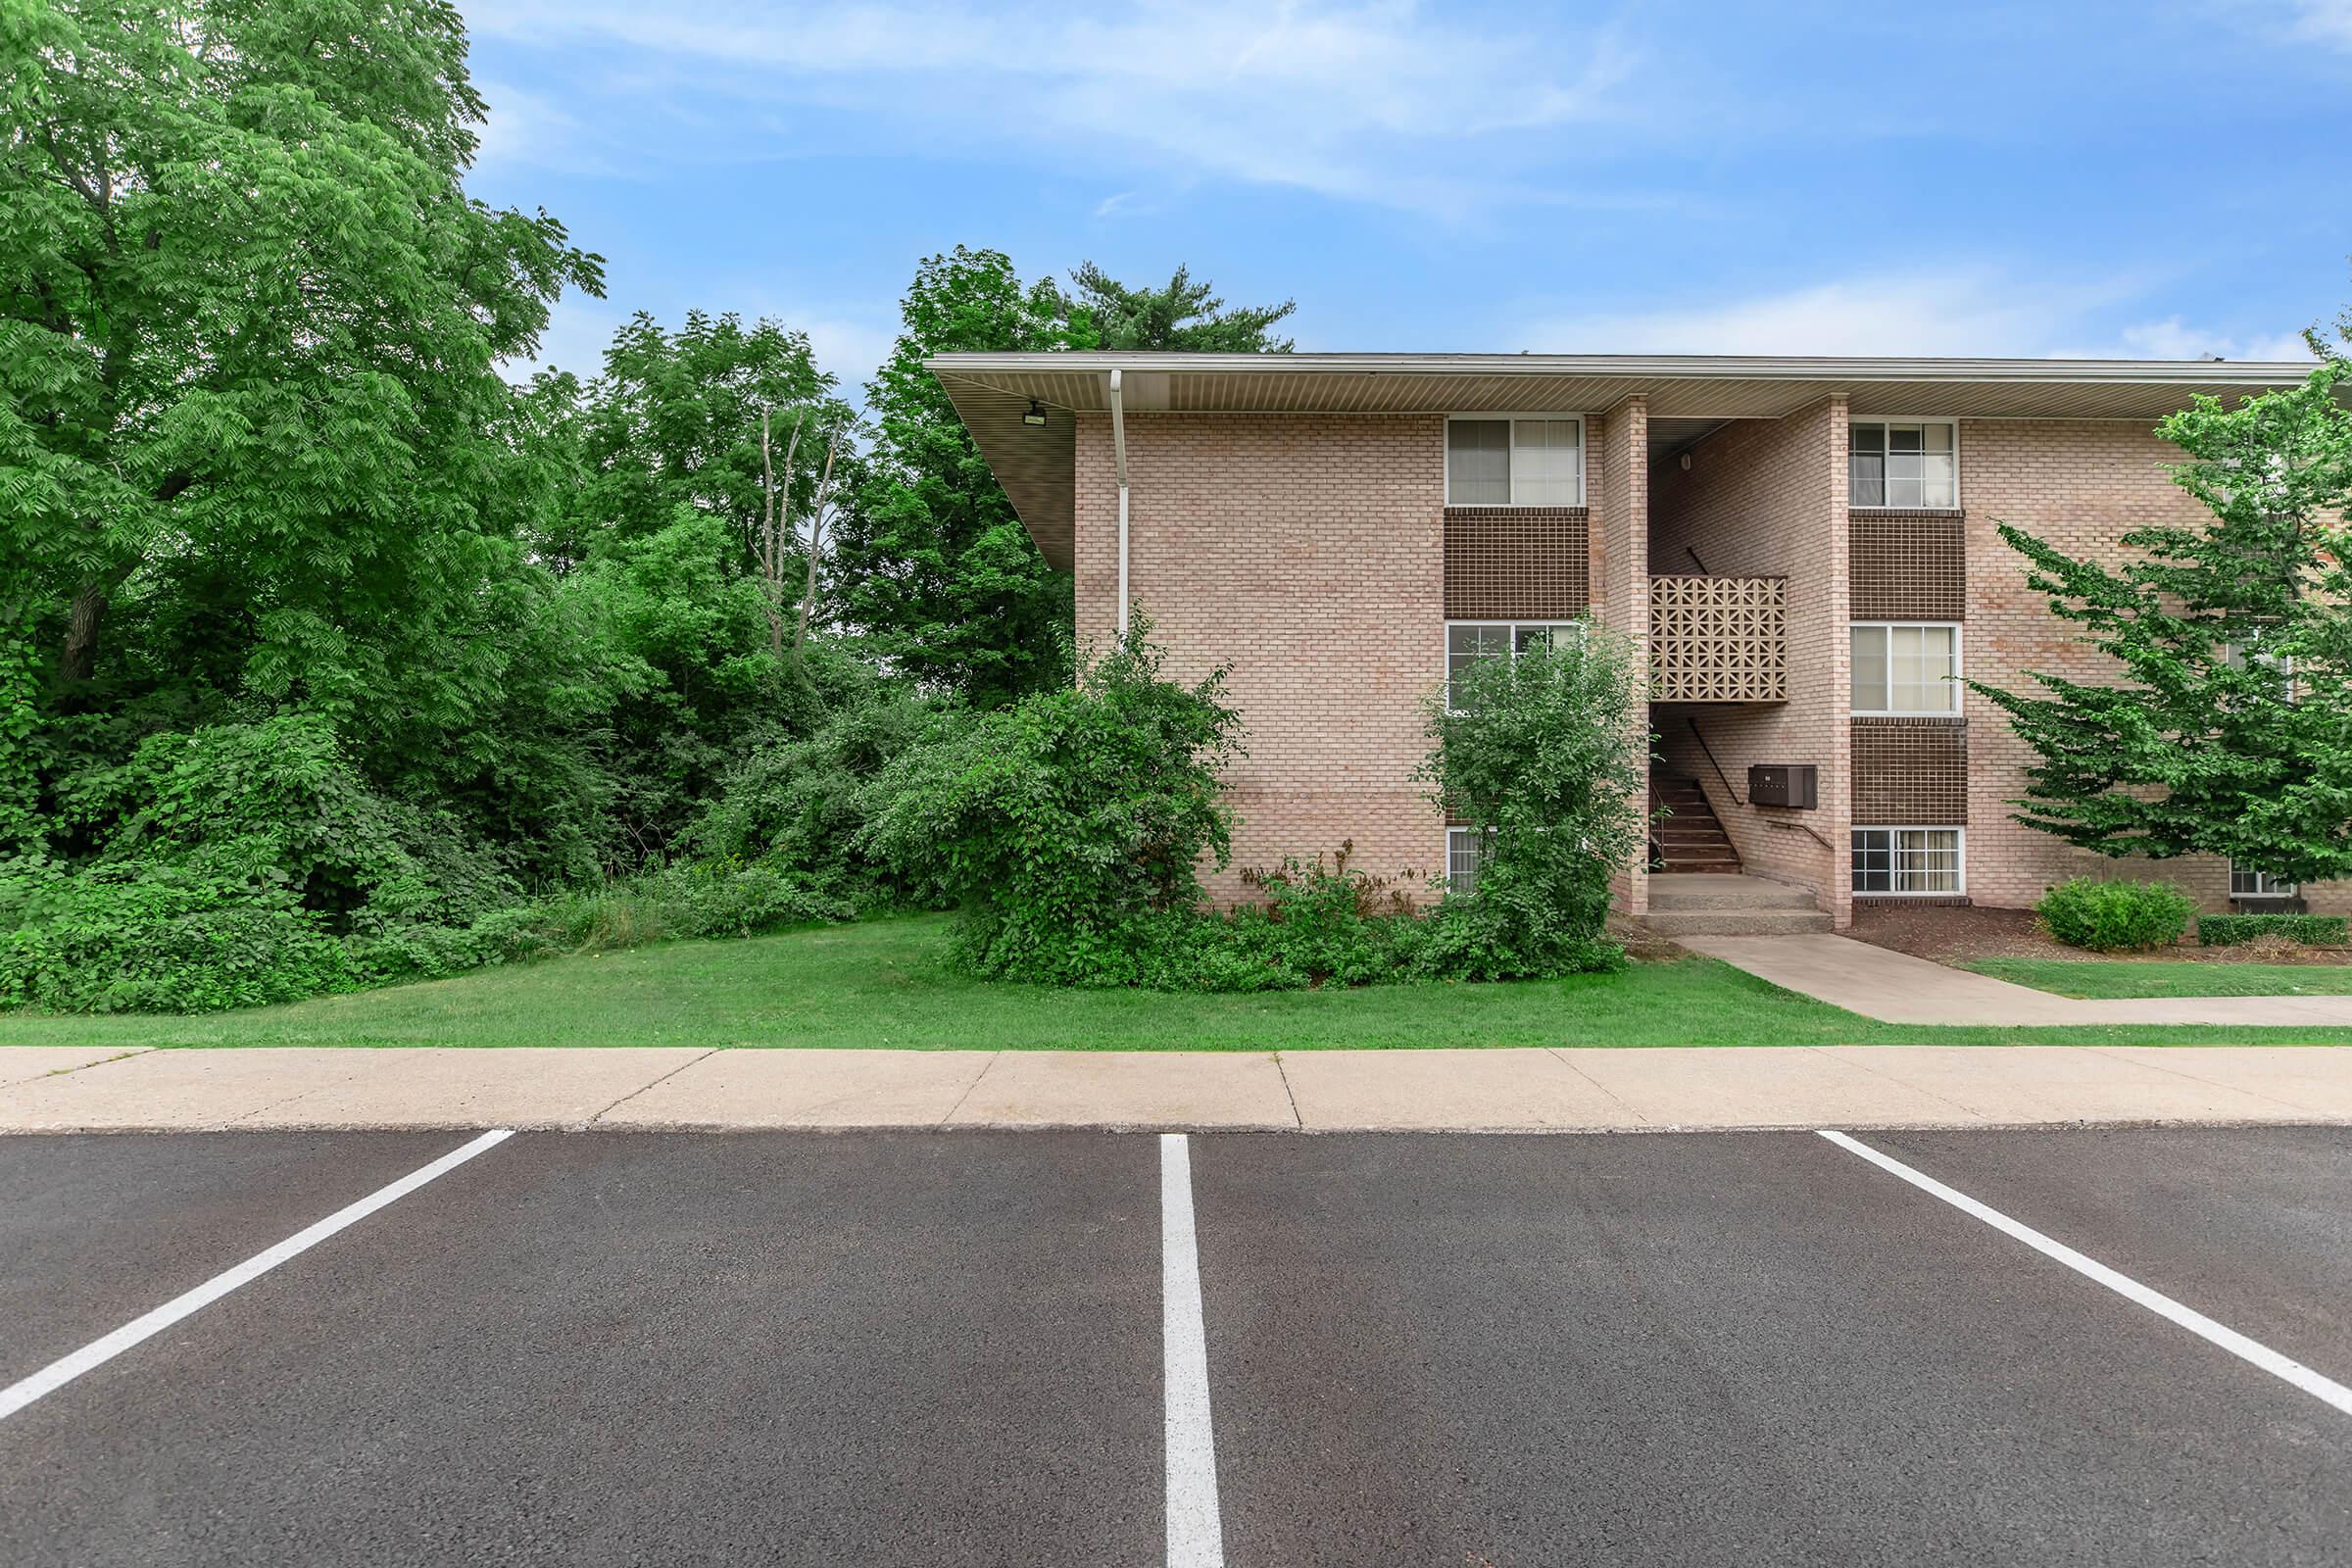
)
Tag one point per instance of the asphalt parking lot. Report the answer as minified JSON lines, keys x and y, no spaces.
{"x":1479,"y":1352}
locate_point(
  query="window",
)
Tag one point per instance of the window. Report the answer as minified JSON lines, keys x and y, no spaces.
{"x":1906,"y":668}
{"x":1515,"y":461}
{"x":1464,"y":853}
{"x":1907,"y":860}
{"x":1903,"y":463}
{"x":1469,"y":641}
{"x":2243,"y":656}
{"x":2247,"y":883}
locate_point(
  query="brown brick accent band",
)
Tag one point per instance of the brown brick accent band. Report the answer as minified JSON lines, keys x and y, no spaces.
{"x":1908,"y":566}
{"x":1910,"y":772}
{"x":1517,"y":562}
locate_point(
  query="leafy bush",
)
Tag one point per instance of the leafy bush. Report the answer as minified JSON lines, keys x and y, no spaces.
{"x":2115,"y":916}
{"x":157,"y":939}
{"x":2235,"y":930}
{"x":1068,"y":827}
{"x":801,"y":805}
{"x":1320,"y":925}
{"x":1544,"y":754}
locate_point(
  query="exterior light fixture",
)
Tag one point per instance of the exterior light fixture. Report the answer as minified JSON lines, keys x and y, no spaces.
{"x":1036,"y":414}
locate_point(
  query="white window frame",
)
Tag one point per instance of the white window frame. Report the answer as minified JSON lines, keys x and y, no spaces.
{"x":2265,"y":886}
{"x":1574,"y":624}
{"x":1959,"y":832}
{"x":1958,"y":678}
{"x":1583,"y":442}
{"x":1452,"y":833}
{"x":1959,"y":493}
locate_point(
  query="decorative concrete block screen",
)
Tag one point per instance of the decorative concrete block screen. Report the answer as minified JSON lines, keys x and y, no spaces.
{"x":1719,"y":639}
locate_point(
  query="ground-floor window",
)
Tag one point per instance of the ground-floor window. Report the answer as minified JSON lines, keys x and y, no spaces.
{"x":1463,"y":856}
{"x":1907,"y":860}
{"x":2245,"y":882}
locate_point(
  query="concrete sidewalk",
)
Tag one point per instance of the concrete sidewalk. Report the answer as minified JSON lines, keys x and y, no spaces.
{"x":1897,"y":988}
{"x":47,"y":1089}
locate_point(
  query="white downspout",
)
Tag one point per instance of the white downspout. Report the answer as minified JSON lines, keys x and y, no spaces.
{"x":1119,"y":447}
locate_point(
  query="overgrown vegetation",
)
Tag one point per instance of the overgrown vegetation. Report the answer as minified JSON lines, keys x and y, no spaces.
{"x":327,"y":657}
{"x":1070,"y":829}
{"x":2115,"y":916}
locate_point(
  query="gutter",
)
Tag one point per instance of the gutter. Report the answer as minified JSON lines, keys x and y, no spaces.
{"x":1694,"y":367}
{"x":1119,"y":447}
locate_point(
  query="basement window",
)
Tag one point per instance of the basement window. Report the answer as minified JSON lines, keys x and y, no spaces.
{"x":1908,"y":463}
{"x":1464,"y":855}
{"x":1904,"y":668}
{"x":2245,"y":882}
{"x":1515,"y":460}
{"x":1908,"y":860}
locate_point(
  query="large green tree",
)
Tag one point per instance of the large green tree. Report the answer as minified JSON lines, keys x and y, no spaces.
{"x":249,"y":326}
{"x":939,"y":578}
{"x":2228,"y":727}
{"x":671,"y":429}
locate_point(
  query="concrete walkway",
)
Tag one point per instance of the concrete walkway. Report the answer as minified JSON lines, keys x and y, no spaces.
{"x":1897,"y":988}
{"x":54,"y":1089}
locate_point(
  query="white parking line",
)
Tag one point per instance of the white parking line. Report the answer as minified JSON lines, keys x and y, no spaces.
{"x":58,"y":1373}
{"x":2228,"y":1339}
{"x":1196,"y":1534}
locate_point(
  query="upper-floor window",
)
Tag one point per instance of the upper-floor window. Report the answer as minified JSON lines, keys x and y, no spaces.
{"x":1906,"y":668}
{"x":1469,"y":641}
{"x":1515,"y":461}
{"x":1903,"y":463}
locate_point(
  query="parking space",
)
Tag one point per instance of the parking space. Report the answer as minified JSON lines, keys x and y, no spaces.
{"x":948,"y":1348}
{"x":95,"y":1230}
{"x":639,"y":1349}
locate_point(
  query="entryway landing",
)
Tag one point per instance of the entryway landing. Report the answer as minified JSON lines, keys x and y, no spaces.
{"x":1718,"y":904}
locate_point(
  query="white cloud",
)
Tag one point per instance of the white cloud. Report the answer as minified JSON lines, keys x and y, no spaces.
{"x":1961,"y":312}
{"x":527,"y":127}
{"x":2325,"y":21}
{"x":2175,"y":339}
{"x":1348,"y":98}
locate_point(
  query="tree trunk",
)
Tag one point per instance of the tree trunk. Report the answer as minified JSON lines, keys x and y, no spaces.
{"x":80,"y":658}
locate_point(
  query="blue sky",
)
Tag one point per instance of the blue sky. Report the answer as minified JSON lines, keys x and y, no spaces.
{"x":2152,"y":179}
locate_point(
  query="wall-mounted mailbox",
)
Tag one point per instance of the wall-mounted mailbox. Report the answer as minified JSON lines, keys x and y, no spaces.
{"x":1796,"y":784}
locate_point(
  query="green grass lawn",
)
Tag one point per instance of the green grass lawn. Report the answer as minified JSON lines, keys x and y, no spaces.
{"x":883,"y":983}
{"x":2085,"y":977}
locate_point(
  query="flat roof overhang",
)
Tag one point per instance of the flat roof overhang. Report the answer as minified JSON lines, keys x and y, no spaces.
{"x":1037,"y":467}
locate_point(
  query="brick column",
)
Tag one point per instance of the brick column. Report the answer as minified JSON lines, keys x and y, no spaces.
{"x":1620,"y":559}
{"x":1837,"y":782}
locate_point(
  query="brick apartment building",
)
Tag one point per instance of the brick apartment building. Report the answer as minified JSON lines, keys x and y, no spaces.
{"x":1802,"y":549}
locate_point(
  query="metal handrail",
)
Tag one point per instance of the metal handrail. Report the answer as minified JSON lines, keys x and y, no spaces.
{"x":1699,"y":736}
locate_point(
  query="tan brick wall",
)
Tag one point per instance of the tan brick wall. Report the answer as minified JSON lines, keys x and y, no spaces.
{"x":2082,"y":485}
{"x":1909,"y":566}
{"x":1517,"y":562}
{"x":1767,"y":498}
{"x":1306,"y":551}
{"x":1910,"y":772}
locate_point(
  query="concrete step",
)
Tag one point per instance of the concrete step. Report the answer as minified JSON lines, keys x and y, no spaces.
{"x":1720,"y":863}
{"x":1695,"y":891}
{"x":1735,"y":922}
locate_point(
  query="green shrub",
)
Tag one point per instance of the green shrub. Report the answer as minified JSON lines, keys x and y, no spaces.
{"x":1069,"y":826}
{"x":157,"y":939}
{"x":2115,"y":916}
{"x":1544,"y":754}
{"x":2234,"y":930}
